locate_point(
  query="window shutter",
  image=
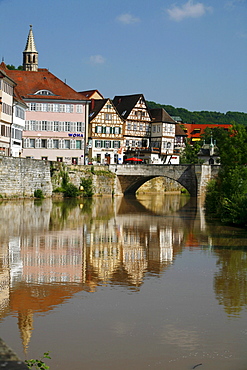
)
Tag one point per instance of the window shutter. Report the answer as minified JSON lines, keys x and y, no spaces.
{"x":49,"y":143}
{"x":37,"y":143}
{"x":26,"y":143}
{"x":61,"y":144}
{"x":73,"y":127}
{"x":73,"y":144}
{"x":27,"y":125}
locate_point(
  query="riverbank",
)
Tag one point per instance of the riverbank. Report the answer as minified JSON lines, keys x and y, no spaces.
{"x":21,"y":177}
{"x":8,"y":359}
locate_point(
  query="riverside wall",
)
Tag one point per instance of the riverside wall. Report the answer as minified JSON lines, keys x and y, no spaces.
{"x":20,"y":177}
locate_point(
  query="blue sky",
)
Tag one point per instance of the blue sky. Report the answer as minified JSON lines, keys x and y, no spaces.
{"x":189,"y":54}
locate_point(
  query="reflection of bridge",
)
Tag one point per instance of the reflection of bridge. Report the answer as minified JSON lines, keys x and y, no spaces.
{"x":194,"y":178}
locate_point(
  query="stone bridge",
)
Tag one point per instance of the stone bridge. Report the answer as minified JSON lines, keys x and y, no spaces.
{"x":193,"y":178}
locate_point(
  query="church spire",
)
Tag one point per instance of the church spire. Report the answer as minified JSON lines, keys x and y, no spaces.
{"x":30,"y":54}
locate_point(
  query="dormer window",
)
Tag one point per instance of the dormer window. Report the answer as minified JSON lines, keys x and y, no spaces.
{"x":43,"y":92}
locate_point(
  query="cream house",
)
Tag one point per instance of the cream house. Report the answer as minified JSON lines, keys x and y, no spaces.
{"x":105,"y":133}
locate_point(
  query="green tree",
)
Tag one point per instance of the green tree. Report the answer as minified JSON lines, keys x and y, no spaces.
{"x":12,"y":67}
{"x":189,"y":154}
{"x":229,"y":191}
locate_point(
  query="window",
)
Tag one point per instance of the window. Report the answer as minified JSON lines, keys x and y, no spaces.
{"x":56,"y":123}
{"x":128,"y":126}
{"x":55,"y":143}
{"x":116,"y":144}
{"x":78,"y":144}
{"x":98,"y":129}
{"x":38,"y":107}
{"x":44,"y":107}
{"x":50,"y":107}
{"x":67,"y":126}
{"x":127,"y":143}
{"x":44,"y":158}
{"x":135,"y":127}
{"x":33,"y":106}
{"x":59,"y":159}
{"x":97,"y":143}
{"x":108,"y":130}
{"x":141,"y":127}
{"x":43,"y":92}
{"x":44,"y":125}
{"x":133,"y":143}
{"x":154,"y":128}
{"x":19,"y":112}
{"x":43,"y":143}
{"x":62,"y":108}
{"x":67,"y":144}
{"x":107,"y":144}
{"x":31,"y":143}
{"x":55,"y":107}
{"x":79,"y":108}
{"x":74,"y":160}
{"x":32,"y":125}
{"x":108,"y":117}
{"x":79,"y":126}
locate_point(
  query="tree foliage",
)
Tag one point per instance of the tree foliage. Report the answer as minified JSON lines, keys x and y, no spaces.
{"x":12,"y":67}
{"x":226,"y":196}
{"x":202,"y":116}
{"x":189,"y":154}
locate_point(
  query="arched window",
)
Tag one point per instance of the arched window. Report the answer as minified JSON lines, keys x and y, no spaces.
{"x":43,"y":92}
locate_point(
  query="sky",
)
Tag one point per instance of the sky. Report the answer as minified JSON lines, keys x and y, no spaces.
{"x":185,"y":53}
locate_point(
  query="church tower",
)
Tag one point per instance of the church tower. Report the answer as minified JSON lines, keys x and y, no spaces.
{"x":30,"y":54}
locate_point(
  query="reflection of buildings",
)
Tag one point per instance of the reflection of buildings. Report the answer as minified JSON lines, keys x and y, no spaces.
{"x":52,"y":252}
{"x":4,"y":279}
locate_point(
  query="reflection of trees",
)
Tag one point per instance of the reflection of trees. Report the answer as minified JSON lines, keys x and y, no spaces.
{"x":230,"y":282}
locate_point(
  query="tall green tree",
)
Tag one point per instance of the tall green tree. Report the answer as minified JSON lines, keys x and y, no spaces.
{"x":226,"y":197}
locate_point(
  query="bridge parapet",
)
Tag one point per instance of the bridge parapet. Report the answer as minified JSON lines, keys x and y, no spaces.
{"x":194,"y":178}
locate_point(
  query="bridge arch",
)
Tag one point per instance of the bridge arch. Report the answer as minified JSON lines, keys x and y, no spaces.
{"x":194,"y":178}
{"x":130,"y":184}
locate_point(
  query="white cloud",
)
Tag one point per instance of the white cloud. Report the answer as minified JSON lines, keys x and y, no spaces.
{"x":188,"y":10}
{"x":127,"y":18}
{"x":97,"y":59}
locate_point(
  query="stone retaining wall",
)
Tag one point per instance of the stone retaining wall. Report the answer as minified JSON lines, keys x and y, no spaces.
{"x":20,"y":177}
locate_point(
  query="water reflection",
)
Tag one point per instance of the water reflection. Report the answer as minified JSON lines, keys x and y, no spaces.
{"x":53,"y":250}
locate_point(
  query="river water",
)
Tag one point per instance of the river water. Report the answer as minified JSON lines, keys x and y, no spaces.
{"x":124,"y":283}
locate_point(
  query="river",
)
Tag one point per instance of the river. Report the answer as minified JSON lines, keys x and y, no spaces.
{"x":123,"y":283}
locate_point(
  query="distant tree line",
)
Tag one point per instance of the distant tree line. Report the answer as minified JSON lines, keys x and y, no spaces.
{"x":12,"y":67}
{"x":202,"y":116}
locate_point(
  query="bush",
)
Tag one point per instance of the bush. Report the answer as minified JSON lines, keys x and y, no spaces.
{"x":87,"y":185}
{"x":71,"y":191}
{"x":38,"y":193}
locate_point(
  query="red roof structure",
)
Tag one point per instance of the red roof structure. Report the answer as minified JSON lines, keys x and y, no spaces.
{"x":31,"y":84}
{"x":195,"y":130}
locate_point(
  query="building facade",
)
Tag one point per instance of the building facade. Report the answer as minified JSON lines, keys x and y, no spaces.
{"x":6,"y":108}
{"x":56,"y":117}
{"x":105,"y":133}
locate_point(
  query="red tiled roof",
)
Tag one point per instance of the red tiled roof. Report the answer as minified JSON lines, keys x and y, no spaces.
{"x":30,"y":82}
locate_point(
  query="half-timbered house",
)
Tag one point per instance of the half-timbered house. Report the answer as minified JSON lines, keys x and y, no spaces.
{"x":105,"y":133}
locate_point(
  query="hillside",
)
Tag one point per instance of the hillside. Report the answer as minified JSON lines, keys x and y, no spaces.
{"x":202,"y":116}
